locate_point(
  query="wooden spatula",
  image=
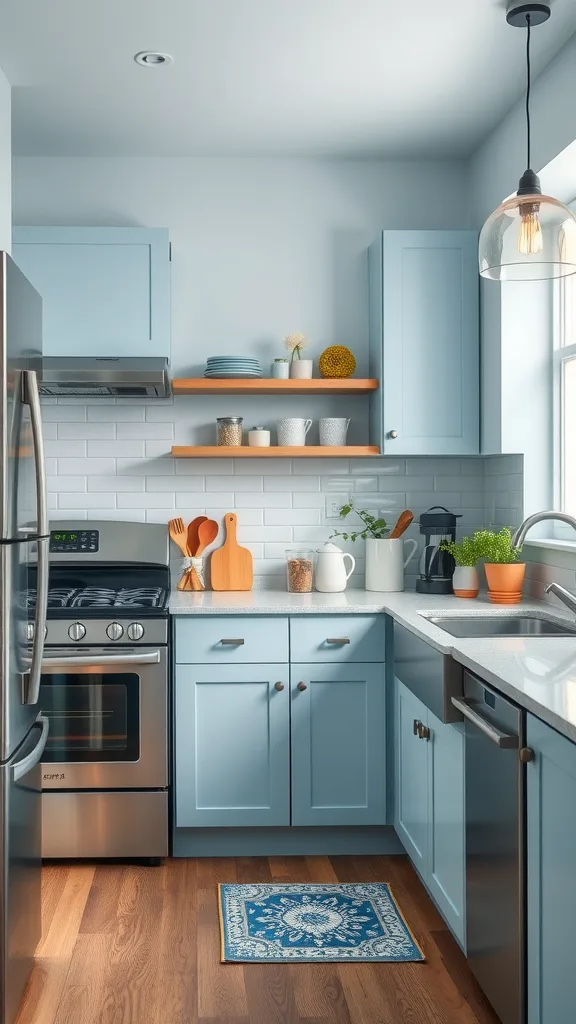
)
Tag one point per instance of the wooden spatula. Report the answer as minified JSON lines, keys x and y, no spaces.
{"x":404,"y":520}
{"x":207,"y":533}
{"x":192,"y":534}
{"x":231,"y":566}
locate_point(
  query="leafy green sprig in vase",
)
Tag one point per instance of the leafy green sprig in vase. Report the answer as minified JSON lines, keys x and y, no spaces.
{"x":372,"y":526}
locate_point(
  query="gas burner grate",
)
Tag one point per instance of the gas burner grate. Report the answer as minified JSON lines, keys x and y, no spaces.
{"x":101,"y":597}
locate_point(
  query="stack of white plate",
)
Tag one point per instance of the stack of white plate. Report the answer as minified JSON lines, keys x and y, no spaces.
{"x":232,"y":366}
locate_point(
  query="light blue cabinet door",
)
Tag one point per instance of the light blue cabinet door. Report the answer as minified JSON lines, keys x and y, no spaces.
{"x":425,"y":342}
{"x":551,"y":782}
{"x":232,"y":752}
{"x":105,"y":291}
{"x":338,"y":744}
{"x":411,"y":814}
{"x":446,"y":840}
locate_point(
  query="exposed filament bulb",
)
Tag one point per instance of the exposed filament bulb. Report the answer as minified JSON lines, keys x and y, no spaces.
{"x":530,"y":234}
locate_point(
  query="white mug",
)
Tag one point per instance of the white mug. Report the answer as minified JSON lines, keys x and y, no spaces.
{"x":292,"y":432}
{"x":333,"y":430}
{"x":385,"y":563}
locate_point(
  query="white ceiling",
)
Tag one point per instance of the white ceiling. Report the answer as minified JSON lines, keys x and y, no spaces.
{"x":297,"y":77}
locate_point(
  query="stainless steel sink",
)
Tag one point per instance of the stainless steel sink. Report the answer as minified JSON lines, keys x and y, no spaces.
{"x":501,"y":625}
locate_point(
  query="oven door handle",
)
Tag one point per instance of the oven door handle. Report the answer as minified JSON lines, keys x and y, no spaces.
{"x":95,"y":660}
{"x":22,"y":767}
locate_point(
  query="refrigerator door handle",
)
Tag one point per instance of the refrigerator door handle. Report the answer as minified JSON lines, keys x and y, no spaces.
{"x":31,"y":397}
{"x":22,"y":767}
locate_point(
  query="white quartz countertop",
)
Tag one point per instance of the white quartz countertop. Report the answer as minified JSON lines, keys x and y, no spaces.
{"x":537,"y":672}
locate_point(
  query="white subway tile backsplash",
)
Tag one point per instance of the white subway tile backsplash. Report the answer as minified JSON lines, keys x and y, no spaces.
{"x":292,"y":483}
{"x":216,"y":499}
{"x":157,"y":449}
{"x":292,"y":517}
{"x":236,"y":483}
{"x":262,"y":499}
{"x":115,"y":413}
{"x":86,"y":500}
{"x":127,"y":515}
{"x":51,"y":466}
{"x":146,"y":500}
{"x":87,"y":431}
{"x":420,"y":501}
{"x":307,"y":499}
{"x":204,"y":467}
{"x":80,"y":513}
{"x":266,"y":534}
{"x":319,"y":466}
{"x":63,"y":413}
{"x":50,"y":431}
{"x":65,"y":448}
{"x":169,"y":483}
{"x":117,"y":449}
{"x":390,"y":467}
{"x":432,"y":465}
{"x":112,"y":484}
{"x":55,"y":484}
{"x":79,"y":467}
{"x":148,"y":431}
{"x":271,"y":467}
{"x":146,"y":467}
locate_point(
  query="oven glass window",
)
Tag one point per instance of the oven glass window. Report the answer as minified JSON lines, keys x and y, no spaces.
{"x":92,"y":717}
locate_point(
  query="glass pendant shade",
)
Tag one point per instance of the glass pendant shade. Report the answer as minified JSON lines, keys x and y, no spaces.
{"x":528,"y":238}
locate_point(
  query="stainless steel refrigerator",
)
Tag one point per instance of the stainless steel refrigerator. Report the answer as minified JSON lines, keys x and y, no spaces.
{"x":23,"y":541}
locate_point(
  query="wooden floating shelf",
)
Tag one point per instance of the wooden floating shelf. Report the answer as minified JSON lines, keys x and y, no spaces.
{"x":356,"y":451}
{"x":272,"y":386}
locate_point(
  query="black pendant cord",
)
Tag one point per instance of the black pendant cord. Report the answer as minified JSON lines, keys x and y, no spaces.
{"x":528,"y":86}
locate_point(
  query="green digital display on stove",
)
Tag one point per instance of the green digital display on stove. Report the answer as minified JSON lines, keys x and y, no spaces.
{"x":64,"y":536}
{"x":70,"y":542}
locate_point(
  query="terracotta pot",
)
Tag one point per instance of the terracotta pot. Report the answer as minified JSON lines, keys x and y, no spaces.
{"x":465,"y":581}
{"x":505,"y":581}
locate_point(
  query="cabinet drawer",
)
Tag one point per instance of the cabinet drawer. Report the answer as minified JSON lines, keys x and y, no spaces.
{"x":227,"y":640}
{"x":340,"y":638}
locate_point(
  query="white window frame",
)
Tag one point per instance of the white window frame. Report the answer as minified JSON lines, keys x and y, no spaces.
{"x":561,"y":353}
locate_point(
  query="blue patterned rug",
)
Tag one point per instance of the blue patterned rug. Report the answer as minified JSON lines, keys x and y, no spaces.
{"x":267,"y":923}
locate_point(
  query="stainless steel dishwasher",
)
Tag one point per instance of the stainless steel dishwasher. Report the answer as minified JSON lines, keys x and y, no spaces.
{"x":495,"y":844}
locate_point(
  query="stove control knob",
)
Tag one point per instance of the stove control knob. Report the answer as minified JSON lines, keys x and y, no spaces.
{"x":135,"y":631}
{"x":77,"y":631}
{"x":114,"y":631}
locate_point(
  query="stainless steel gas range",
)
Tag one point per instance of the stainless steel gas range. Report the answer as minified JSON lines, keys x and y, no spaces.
{"x":104,"y":690}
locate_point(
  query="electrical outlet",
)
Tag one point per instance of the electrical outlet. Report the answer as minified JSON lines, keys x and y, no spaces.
{"x":334,"y":503}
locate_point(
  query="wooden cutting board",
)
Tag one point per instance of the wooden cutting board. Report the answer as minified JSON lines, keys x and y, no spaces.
{"x":231,"y":566}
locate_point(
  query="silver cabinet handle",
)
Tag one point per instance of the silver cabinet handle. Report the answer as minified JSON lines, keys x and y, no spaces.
{"x":338,"y":640}
{"x":502,"y":739}
{"x":22,"y":767}
{"x":416,"y":726}
{"x":95,"y":660}
{"x":237,"y":642}
{"x":31,"y":397}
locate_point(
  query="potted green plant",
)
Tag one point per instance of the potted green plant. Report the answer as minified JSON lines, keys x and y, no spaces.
{"x":465,"y":577}
{"x":385,"y":561}
{"x":504,"y":571}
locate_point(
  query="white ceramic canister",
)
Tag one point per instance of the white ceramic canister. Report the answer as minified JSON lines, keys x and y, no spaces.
{"x":280,"y":369}
{"x":301,"y":369}
{"x":465,"y":582}
{"x":259,"y":437}
{"x":385,"y":563}
{"x":292,"y":432}
{"x":333,"y":430}
{"x":331,"y":576}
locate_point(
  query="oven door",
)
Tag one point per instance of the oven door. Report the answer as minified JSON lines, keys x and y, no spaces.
{"x":108,"y":714}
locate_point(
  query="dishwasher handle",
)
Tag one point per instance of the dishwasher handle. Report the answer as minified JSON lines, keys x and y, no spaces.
{"x":504,"y":740}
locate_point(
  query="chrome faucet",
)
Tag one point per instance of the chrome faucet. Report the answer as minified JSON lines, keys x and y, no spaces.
{"x":563,"y":595}
{"x":519,"y":535}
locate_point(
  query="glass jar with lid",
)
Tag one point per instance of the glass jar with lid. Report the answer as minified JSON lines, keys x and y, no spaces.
{"x":229,"y":431}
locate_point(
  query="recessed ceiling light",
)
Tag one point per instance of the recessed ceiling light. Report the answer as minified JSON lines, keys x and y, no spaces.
{"x":152,"y":58}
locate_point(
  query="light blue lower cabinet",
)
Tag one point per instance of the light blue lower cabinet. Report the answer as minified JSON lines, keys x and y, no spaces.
{"x":429,"y":815}
{"x":338,"y":736}
{"x":231,"y":726}
{"x":551,"y":784}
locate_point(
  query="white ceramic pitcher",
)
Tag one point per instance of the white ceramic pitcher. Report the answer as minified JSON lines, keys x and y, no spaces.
{"x":331,"y":576}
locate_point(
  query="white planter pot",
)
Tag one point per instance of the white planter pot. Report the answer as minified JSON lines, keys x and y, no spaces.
{"x":301,"y":369}
{"x":385,"y":564}
{"x":465,"y":581}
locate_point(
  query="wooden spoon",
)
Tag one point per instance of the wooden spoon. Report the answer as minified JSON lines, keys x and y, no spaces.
{"x":404,"y":520}
{"x":207,"y":533}
{"x":193,"y":534}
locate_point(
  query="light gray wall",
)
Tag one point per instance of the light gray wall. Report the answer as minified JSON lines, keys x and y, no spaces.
{"x":5,"y":165}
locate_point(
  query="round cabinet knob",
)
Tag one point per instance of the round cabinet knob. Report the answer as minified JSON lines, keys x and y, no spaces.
{"x":526,"y":754}
{"x":135,"y":631}
{"x":302,"y":686}
{"x":278,"y":686}
{"x":77,"y":631}
{"x":114,"y":631}
{"x":393,"y":434}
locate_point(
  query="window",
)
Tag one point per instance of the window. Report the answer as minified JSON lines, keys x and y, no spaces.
{"x":565,"y":395}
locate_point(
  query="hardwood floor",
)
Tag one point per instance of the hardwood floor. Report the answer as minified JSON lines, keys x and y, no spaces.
{"x":135,"y":945}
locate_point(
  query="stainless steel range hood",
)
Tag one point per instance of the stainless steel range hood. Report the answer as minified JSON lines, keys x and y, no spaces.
{"x":106,"y":377}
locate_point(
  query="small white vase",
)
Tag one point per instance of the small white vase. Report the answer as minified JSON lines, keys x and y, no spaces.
{"x":465,"y":581}
{"x":301,"y":369}
{"x":385,"y":563}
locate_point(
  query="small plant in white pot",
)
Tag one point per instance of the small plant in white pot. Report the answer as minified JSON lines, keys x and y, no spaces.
{"x":295,"y":344}
{"x":385,"y":561}
{"x":465,"y":553}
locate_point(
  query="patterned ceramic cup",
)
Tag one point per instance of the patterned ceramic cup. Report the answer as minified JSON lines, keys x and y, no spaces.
{"x":292,"y":432}
{"x":333,"y":431}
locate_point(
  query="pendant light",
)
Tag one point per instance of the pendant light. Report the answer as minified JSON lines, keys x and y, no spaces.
{"x":530,"y":237}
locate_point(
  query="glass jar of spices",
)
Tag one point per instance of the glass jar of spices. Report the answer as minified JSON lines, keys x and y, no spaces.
{"x":299,"y":571}
{"x":229,"y":430}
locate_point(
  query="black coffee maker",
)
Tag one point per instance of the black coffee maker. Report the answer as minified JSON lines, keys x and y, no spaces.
{"x":436,"y":567}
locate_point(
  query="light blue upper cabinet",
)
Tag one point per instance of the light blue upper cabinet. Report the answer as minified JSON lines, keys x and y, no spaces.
{"x":424,"y":342}
{"x":338,"y":744}
{"x":232,"y":754}
{"x":105,"y":291}
{"x":551,"y":782}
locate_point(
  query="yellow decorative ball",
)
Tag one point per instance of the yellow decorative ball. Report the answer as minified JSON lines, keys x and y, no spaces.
{"x":337,"y":361}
